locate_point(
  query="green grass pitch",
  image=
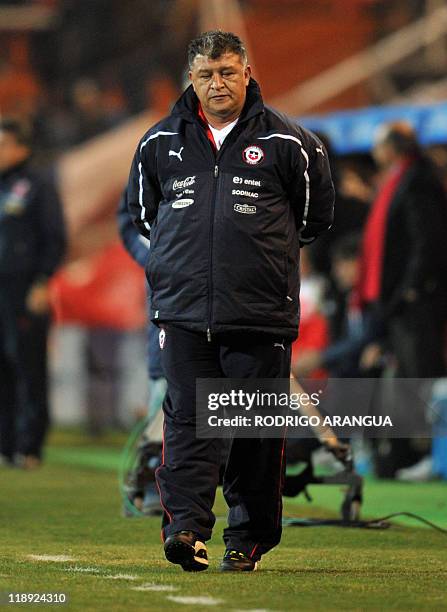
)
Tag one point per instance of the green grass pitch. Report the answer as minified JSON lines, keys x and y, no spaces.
{"x":70,"y":507}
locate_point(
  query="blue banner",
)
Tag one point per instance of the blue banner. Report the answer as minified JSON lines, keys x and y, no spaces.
{"x":353,"y":131}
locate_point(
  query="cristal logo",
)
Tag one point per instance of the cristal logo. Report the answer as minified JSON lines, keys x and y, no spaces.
{"x":245,"y":209}
{"x":187,"y":182}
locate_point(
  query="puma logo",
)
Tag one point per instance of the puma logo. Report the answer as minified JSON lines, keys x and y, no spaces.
{"x":279,"y":345}
{"x":320,"y":150}
{"x":175,"y":154}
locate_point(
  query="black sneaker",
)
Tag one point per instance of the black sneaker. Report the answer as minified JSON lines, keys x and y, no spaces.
{"x":234,"y":561}
{"x":187,"y":550}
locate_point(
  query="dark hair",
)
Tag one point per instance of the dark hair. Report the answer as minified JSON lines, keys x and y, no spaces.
{"x":18,"y":130}
{"x":402,"y":138}
{"x":346,"y":247}
{"x":215,"y":43}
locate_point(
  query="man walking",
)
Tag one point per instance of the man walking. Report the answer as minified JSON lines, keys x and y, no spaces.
{"x":227,"y":190}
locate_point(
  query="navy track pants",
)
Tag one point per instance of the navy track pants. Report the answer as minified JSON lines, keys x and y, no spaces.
{"x":189,"y":473}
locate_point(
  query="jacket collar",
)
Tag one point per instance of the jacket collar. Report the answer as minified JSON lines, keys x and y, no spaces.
{"x":187,"y":105}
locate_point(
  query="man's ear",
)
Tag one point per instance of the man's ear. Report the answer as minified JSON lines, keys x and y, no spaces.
{"x":247,"y":73}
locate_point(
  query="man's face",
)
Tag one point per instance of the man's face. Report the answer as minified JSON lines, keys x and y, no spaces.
{"x":220,"y":85}
{"x":383,"y":154}
{"x":11,"y":152}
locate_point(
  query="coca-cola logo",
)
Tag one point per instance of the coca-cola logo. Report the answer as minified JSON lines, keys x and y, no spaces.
{"x":187,"y":182}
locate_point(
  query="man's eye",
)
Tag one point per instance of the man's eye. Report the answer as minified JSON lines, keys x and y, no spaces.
{"x":205,"y":77}
{"x":227,"y":74}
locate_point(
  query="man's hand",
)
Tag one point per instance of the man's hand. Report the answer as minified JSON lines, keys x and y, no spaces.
{"x":340,"y":450}
{"x":38,"y":298}
{"x":371,"y":356}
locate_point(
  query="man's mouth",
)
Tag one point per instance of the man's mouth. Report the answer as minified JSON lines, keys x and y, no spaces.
{"x":220,"y":97}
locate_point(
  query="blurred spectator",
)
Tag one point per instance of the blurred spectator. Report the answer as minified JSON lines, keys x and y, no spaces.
{"x":342,"y":358}
{"x":404,"y":271}
{"x":404,"y":259}
{"x":353,"y":196}
{"x":55,"y":126}
{"x":95,"y":113}
{"x":32,"y":242}
{"x":350,"y":212}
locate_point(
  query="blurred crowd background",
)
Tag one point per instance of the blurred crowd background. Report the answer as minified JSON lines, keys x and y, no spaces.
{"x":86,"y":79}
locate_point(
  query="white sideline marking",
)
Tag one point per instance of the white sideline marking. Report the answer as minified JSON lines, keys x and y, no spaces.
{"x":87,"y":570}
{"x":155,"y":587}
{"x":201,"y":601}
{"x":55,"y":558}
{"x":122,"y":577}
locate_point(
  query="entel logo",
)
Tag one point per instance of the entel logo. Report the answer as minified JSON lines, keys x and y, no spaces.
{"x":251,"y":182}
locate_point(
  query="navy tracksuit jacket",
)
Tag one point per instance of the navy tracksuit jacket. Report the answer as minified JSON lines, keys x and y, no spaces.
{"x":225,"y":230}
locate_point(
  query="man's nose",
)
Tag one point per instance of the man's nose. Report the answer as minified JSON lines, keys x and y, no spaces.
{"x":217,"y":81}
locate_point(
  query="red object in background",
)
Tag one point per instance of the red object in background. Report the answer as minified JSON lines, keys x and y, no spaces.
{"x":104,"y":290}
{"x":314,"y":329}
{"x":314,"y":335}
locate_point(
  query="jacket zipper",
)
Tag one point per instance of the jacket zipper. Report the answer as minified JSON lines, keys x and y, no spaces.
{"x":210,"y":252}
{"x":216,"y":156}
